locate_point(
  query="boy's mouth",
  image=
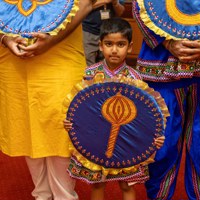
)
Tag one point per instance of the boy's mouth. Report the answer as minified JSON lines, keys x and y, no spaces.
{"x":114,"y":57}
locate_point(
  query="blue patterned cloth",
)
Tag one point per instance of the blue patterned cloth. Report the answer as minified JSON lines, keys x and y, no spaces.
{"x":172,"y":18}
{"x":33,"y":16}
{"x":156,"y":66}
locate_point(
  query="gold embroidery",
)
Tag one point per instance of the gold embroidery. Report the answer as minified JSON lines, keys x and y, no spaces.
{"x":118,"y":110}
{"x":35,"y":3}
{"x":180,"y":17}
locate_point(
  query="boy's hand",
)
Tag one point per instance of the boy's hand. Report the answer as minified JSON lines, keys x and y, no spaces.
{"x":67,"y":124}
{"x":159,"y":141}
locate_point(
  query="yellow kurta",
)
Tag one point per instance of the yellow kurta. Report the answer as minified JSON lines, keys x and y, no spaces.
{"x":31,"y":95}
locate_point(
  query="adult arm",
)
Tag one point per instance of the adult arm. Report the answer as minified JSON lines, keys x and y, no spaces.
{"x":151,"y":39}
{"x":117,"y":6}
{"x":185,"y":51}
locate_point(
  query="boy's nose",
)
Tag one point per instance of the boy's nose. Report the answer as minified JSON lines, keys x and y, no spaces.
{"x":114,"y":49}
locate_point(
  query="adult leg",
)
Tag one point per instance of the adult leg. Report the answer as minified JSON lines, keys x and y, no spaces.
{"x":62,"y":185}
{"x":38,"y":171}
{"x":192,"y":179}
{"x":192,"y":138}
{"x":163,"y":173}
{"x":128,"y":192}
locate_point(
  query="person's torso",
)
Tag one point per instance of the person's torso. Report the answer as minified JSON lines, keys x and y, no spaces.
{"x":93,"y":20}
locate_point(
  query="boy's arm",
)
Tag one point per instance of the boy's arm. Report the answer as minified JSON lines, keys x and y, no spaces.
{"x":117,"y":5}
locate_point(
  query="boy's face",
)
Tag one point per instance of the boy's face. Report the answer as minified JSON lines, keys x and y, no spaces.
{"x":115,"y":47}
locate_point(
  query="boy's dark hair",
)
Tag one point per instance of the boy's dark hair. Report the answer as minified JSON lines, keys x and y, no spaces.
{"x":116,"y":25}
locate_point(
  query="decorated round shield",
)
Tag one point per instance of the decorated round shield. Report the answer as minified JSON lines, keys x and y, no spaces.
{"x":173,"y":19}
{"x":21,"y":17}
{"x":115,"y":123}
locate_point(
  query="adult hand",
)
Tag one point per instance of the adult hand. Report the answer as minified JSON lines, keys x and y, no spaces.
{"x":114,"y":2}
{"x":12,"y":43}
{"x":42,"y":44}
{"x":44,"y":41}
{"x":184,"y":50}
{"x":108,"y":1}
{"x":193,"y":52}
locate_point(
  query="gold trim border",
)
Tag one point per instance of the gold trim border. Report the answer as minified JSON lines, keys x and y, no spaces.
{"x":151,"y":25}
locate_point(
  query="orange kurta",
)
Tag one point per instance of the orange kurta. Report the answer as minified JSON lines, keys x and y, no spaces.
{"x":31,"y":95}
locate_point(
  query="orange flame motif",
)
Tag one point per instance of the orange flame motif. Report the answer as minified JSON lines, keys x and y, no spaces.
{"x":118,"y":110}
{"x":35,"y":3}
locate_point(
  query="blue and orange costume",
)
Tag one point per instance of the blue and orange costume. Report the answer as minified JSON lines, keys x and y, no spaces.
{"x":179,"y":84}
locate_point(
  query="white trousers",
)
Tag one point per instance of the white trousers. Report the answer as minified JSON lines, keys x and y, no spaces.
{"x":51,"y":180}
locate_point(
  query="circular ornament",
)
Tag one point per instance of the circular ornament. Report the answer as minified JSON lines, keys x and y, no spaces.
{"x":172,"y":19}
{"x":115,"y":123}
{"x":22,"y":17}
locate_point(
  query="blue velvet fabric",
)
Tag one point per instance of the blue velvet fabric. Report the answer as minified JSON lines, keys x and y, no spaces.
{"x":44,"y":18}
{"x":183,"y":101}
{"x":92,"y":130}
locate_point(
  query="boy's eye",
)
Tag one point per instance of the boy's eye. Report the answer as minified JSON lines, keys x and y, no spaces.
{"x":121,"y":44}
{"x":108,"y":44}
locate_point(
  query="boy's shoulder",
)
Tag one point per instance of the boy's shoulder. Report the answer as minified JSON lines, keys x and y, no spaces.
{"x":131,"y":72}
{"x":99,"y":67}
{"x":90,"y":71}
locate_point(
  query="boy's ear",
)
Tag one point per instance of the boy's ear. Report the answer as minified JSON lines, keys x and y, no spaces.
{"x":100,"y":45}
{"x":130,"y":48}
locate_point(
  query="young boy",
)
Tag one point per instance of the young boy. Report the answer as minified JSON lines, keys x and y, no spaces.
{"x":115,"y":43}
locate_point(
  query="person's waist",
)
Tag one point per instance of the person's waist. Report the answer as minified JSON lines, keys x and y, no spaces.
{"x":167,"y":71}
